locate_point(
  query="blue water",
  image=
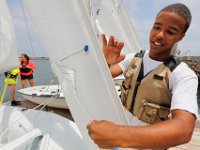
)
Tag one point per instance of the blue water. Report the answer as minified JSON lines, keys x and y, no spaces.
{"x":43,"y":75}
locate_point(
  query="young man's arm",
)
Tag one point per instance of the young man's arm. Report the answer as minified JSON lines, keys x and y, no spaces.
{"x":115,"y":70}
{"x":175,"y":131}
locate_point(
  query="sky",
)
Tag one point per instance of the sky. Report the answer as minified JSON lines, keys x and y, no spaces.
{"x":141,"y":12}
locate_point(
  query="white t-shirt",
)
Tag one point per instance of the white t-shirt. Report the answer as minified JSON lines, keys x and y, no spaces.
{"x":183,"y":84}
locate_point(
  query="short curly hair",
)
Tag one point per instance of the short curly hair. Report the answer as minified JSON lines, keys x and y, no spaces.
{"x":181,"y":10}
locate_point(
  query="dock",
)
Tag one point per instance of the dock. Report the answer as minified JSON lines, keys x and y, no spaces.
{"x":194,"y":144}
{"x":62,"y":112}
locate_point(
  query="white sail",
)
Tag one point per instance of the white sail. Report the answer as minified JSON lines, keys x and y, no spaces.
{"x":111,"y":18}
{"x":68,"y":36}
{"x":8,"y":48}
{"x":88,"y":6}
{"x":25,"y":129}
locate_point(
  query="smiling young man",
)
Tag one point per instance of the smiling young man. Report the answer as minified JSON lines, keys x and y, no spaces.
{"x":167,"y":30}
{"x":159,"y":90}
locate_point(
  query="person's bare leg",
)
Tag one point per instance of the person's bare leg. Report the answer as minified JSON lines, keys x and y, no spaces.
{"x":12,"y":92}
{"x":12,"y":96}
{"x":31,"y":82}
{"x":23,"y":82}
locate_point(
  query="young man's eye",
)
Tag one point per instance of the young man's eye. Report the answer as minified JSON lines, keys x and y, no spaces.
{"x":170,"y":32}
{"x":156,"y":28}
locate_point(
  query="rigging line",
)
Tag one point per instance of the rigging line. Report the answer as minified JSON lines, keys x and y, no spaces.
{"x":71,"y":55}
{"x":28,"y":32}
{"x":85,"y":49}
{"x":49,"y":100}
{"x":23,"y":115}
{"x":45,"y":103}
{"x":49,"y":84}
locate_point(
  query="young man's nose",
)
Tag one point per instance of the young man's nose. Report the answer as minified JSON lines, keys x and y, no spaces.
{"x":160,"y":35}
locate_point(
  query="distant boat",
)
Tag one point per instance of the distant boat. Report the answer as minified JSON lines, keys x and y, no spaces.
{"x":52,"y":95}
{"x":49,"y":95}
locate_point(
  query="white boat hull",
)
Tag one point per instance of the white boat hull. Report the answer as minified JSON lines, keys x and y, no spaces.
{"x":37,"y":129}
{"x":51,"y":95}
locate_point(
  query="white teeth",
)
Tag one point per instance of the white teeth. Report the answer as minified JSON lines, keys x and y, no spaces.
{"x":156,"y":43}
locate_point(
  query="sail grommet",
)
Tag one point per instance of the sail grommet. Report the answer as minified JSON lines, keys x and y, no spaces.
{"x":86,"y":48}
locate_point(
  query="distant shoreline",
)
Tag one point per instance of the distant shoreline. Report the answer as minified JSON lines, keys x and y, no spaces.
{"x":38,"y":58}
{"x":183,"y":57}
{"x":192,"y":61}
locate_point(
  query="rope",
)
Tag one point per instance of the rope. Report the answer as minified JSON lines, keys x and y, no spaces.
{"x":44,"y":104}
{"x":50,"y":83}
{"x":28,"y":32}
{"x":30,"y":110}
{"x":3,"y":93}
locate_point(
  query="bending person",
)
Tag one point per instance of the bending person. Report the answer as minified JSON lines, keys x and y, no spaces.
{"x":26,"y":70}
{"x":11,"y":80}
{"x":160,"y":92}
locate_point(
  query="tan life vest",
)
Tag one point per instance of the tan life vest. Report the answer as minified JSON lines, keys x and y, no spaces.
{"x":149,"y":99}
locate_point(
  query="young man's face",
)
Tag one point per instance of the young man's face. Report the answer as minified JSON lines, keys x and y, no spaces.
{"x":168,"y":29}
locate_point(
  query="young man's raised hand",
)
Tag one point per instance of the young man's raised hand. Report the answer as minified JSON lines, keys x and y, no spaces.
{"x":112,"y":50}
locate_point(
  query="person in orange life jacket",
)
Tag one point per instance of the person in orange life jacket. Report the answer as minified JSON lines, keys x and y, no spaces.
{"x":170,"y":26}
{"x":26,"y":70}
